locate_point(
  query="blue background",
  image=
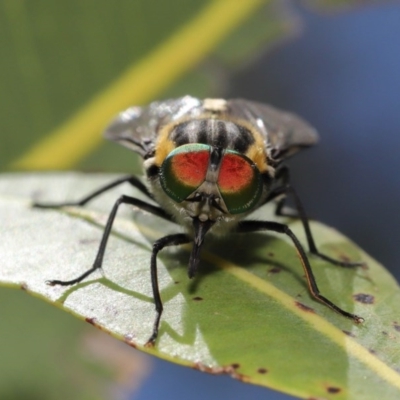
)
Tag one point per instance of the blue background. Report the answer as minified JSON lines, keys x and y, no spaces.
{"x":342,"y":74}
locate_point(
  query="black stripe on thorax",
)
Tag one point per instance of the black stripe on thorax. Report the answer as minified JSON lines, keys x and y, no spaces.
{"x":221,"y":135}
{"x":217,"y":133}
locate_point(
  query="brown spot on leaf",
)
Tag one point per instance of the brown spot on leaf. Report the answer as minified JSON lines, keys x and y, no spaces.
{"x":24,"y":286}
{"x":396,"y":326}
{"x":364,"y":298}
{"x":235,"y":365}
{"x":303,"y":307}
{"x":271,"y":254}
{"x":262,"y":370}
{"x":274,"y":270}
{"x":229,"y":370}
{"x":91,"y":321}
{"x":128,"y":339}
{"x":372,"y":351}
{"x":364,"y":266}
{"x":176,"y":282}
{"x":384,"y":333}
{"x":333,"y":390}
{"x":345,"y":258}
{"x":197,"y":298}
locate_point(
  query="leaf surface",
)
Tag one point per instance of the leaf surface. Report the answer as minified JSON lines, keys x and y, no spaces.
{"x":248,"y":313}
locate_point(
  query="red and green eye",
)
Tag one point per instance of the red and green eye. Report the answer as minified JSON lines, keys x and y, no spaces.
{"x":239,"y":182}
{"x":184,"y":170}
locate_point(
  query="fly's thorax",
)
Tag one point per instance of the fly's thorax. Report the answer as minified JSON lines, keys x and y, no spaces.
{"x":218,"y":130}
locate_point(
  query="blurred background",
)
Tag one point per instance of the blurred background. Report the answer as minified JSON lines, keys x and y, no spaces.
{"x":334,"y":63}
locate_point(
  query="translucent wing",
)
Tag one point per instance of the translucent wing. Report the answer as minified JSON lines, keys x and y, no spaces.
{"x":137,"y":127}
{"x":285,"y":133}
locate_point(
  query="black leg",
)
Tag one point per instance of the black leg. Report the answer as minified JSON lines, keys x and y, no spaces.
{"x":136,"y":202}
{"x":158,"y":245}
{"x":252,"y":226}
{"x":284,"y":189}
{"x":100,"y":253}
{"x":170,"y":240}
{"x":130,"y":179}
{"x":310,"y":239}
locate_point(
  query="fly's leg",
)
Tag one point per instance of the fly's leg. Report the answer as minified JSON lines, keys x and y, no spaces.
{"x":129,"y":179}
{"x":287,"y":189}
{"x":161,"y":243}
{"x":170,"y":240}
{"x":107,"y":230}
{"x":253,"y":226}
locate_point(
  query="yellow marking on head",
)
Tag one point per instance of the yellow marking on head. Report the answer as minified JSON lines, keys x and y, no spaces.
{"x":257,"y":151}
{"x":164,"y":145}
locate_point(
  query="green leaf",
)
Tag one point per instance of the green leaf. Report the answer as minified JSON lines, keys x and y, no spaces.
{"x":248,"y":313}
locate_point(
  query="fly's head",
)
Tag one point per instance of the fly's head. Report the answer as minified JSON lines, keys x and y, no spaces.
{"x":211,"y":185}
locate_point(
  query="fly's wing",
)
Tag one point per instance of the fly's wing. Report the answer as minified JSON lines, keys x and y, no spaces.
{"x":284,"y":133}
{"x":137,"y":127}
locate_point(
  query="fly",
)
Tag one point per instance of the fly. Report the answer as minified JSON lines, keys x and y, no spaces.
{"x":210,"y":163}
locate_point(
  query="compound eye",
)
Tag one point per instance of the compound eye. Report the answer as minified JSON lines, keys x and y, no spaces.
{"x":239,"y":182}
{"x":184,"y":170}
